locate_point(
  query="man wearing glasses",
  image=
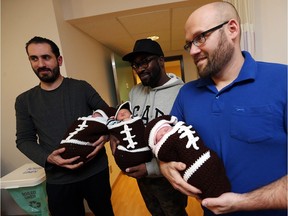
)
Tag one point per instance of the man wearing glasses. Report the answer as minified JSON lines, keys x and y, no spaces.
{"x":151,"y":98}
{"x":239,"y":108}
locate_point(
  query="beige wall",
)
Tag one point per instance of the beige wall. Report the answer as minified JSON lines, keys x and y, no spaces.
{"x":85,"y":58}
{"x":74,"y":9}
{"x":271,"y":30}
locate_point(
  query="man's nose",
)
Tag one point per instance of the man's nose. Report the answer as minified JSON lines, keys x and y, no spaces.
{"x":140,"y":69}
{"x":41,"y":62}
{"x":194,"y":50}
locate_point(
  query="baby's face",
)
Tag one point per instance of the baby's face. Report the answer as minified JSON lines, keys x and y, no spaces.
{"x":123,"y":114}
{"x":162,"y":131}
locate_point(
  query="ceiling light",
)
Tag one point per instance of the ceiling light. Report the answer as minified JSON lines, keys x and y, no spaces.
{"x":154,"y":38}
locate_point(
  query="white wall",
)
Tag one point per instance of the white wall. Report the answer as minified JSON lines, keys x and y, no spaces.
{"x":271,"y":30}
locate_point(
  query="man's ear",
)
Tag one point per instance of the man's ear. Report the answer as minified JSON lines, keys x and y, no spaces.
{"x":60,"y":60}
{"x":234,"y":29}
{"x":161,"y":61}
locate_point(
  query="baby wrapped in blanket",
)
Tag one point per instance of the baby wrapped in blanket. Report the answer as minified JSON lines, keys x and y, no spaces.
{"x":171,"y":140}
{"x":132,"y":149}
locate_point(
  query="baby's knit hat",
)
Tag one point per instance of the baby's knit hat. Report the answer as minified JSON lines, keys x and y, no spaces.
{"x":157,"y":131}
{"x":106,"y":112}
{"x":153,"y":126}
{"x":125,"y":105}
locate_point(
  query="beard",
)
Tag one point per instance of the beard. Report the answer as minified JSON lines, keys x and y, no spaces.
{"x":218,"y":59}
{"x":152,"y":78}
{"x":49,"y":76}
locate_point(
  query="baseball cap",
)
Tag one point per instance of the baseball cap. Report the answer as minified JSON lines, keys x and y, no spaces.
{"x":144,"y":46}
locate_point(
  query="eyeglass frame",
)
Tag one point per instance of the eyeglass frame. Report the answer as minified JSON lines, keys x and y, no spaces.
{"x":143,"y":63}
{"x":197,"y":40}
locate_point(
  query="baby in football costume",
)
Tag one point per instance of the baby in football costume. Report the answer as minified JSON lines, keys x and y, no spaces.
{"x":80,"y":136}
{"x":173,"y":140}
{"x":132,"y":149}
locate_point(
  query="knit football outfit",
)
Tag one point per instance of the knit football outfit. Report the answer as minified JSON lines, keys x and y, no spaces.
{"x":132,"y":149}
{"x":80,"y":136}
{"x":204,"y":169}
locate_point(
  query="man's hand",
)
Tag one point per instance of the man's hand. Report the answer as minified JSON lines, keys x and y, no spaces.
{"x":225,"y":203}
{"x":138,"y":171}
{"x":98,"y":146}
{"x":171,"y":172}
{"x":55,"y":158}
{"x":113,"y":143}
{"x":271,"y":196}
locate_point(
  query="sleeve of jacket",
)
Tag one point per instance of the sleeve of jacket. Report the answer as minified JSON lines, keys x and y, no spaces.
{"x":153,"y":169}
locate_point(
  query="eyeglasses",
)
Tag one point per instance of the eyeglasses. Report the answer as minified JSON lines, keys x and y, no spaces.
{"x":201,"y":38}
{"x":143,"y":64}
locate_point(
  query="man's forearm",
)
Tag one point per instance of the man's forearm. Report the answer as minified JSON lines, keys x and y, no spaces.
{"x":33,"y":151}
{"x":272,"y":196}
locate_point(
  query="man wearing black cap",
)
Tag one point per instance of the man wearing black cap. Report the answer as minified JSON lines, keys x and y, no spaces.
{"x":151,"y":98}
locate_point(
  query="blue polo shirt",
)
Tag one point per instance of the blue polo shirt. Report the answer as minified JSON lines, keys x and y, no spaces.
{"x":245,"y":123}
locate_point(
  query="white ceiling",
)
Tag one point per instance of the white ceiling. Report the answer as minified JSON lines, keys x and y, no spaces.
{"x":119,"y":30}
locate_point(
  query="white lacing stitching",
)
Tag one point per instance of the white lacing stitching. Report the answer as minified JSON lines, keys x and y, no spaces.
{"x":80,"y":127}
{"x":129,"y":137}
{"x":185,"y":131}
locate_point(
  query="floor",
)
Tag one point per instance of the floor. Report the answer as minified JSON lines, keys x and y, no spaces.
{"x":127,"y":200}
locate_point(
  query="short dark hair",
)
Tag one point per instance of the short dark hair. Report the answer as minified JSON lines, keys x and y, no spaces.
{"x":37,"y":40}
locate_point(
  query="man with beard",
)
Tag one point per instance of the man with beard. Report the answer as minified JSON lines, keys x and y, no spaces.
{"x":43,"y":114}
{"x":239,"y":108}
{"x":152,"y":98}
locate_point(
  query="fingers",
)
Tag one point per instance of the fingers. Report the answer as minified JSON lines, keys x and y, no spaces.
{"x":171,"y":172}
{"x":74,"y":166}
{"x":227,"y":202}
{"x":138,"y":171}
{"x":96,"y":150}
{"x":58,"y":151}
{"x":113,"y":143}
{"x":102,"y":140}
{"x":56,"y":159}
{"x":98,"y":146}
